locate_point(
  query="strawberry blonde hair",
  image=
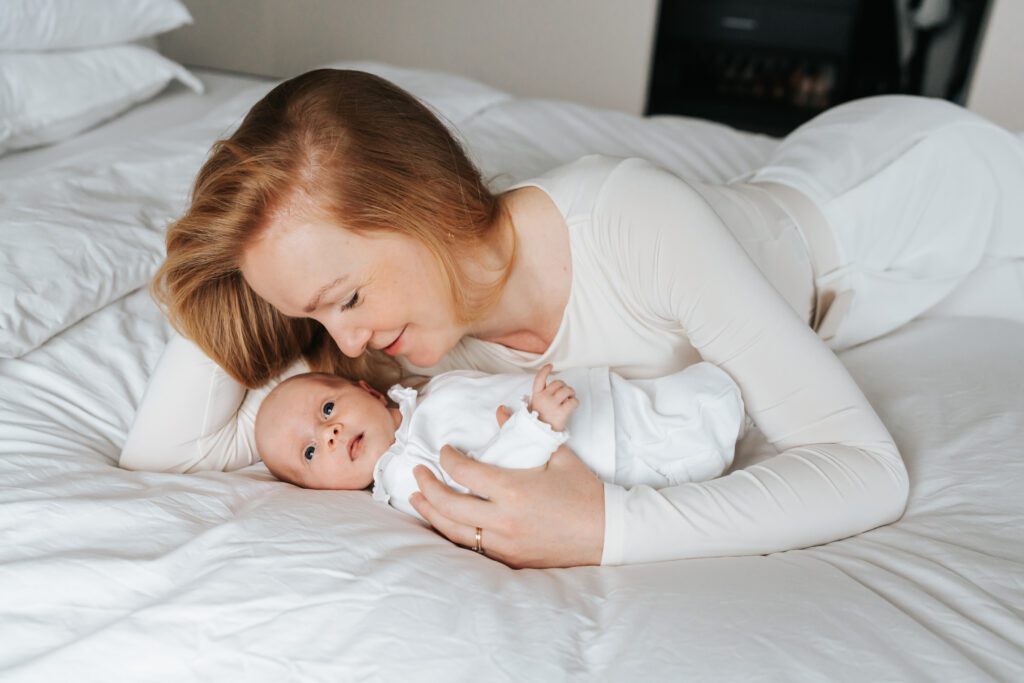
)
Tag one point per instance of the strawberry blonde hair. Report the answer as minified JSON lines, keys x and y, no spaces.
{"x":365,"y":153}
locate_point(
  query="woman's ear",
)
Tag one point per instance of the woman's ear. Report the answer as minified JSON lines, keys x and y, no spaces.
{"x":373,"y":392}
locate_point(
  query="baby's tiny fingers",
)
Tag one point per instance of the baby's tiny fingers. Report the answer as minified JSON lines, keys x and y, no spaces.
{"x":540,"y":381}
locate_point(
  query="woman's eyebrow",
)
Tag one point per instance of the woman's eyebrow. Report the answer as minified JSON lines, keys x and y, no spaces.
{"x":315,"y":301}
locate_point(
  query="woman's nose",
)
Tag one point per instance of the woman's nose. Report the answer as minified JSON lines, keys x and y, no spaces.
{"x":351,"y":341}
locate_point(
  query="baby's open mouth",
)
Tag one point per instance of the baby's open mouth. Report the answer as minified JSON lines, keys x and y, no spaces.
{"x":353,"y":445}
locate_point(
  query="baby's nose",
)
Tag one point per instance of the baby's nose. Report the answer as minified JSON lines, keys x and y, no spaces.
{"x":331,"y":436}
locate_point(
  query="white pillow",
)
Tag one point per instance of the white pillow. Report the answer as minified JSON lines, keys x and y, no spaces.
{"x":68,"y":24}
{"x":455,"y":98}
{"x":49,"y":96}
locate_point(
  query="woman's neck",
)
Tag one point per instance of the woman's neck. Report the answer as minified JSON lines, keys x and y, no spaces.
{"x":529,"y":310}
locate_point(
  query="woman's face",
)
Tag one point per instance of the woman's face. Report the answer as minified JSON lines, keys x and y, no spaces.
{"x":382,"y":292}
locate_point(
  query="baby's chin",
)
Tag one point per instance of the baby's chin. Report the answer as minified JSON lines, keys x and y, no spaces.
{"x":346,"y":483}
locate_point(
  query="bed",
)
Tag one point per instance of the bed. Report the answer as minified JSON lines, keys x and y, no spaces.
{"x":107,"y":574}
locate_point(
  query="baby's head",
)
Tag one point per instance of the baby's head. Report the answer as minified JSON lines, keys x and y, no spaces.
{"x":321,"y":431}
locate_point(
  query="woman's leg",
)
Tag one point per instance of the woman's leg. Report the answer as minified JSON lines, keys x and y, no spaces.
{"x":919,"y":194}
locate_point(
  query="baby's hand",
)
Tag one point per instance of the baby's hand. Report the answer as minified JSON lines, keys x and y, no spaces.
{"x":553,"y":402}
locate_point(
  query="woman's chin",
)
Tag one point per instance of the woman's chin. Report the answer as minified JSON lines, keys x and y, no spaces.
{"x":422,"y":358}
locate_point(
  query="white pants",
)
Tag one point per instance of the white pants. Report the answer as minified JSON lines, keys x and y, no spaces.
{"x":925,"y":203}
{"x":675,"y":429}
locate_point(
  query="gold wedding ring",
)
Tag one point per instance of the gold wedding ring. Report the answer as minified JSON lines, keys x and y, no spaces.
{"x":479,"y":537}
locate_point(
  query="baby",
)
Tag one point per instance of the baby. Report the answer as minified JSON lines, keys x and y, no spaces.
{"x":325,"y":432}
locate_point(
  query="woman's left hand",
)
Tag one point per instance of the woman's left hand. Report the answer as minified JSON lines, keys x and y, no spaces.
{"x":548,"y":516}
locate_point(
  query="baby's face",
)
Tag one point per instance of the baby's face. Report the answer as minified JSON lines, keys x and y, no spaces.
{"x":325,"y":432}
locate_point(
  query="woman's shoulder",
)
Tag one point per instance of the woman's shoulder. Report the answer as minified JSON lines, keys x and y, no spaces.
{"x":575,"y":187}
{"x":602,"y":183}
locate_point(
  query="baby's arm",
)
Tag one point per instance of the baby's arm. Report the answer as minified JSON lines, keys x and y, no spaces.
{"x":397,"y":482}
{"x":523,"y":441}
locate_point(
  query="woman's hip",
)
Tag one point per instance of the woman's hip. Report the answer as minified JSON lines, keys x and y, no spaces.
{"x":899,"y":199}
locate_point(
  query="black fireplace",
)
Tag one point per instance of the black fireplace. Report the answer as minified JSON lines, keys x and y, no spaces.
{"x":769,"y":65}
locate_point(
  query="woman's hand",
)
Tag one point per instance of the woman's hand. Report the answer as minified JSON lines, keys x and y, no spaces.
{"x":548,"y":516}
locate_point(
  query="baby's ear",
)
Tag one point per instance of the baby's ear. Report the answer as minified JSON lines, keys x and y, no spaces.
{"x":373,"y":392}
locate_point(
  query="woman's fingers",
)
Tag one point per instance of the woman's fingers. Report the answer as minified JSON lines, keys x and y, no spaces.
{"x":481,"y":478}
{"x":550,"y":516}
{"x":461,"y":534}
{"x":456,"y":506}
{"x":453,"y":531}
{"x":455,"y":515}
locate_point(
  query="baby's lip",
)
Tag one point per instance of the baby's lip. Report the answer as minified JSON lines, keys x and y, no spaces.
{"x":352,"y":446}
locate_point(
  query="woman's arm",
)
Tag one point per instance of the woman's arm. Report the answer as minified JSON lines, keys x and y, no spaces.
{"x":193,"y":416}
{"x":838,"y":472}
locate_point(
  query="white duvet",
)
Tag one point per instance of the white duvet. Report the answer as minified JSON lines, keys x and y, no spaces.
{"x":107,"y":574}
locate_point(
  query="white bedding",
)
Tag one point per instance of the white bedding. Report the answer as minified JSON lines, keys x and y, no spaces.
{"x":107,"y":574}
{"x":177,"y":104}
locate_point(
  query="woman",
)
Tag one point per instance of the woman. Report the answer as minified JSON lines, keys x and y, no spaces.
{"x":343,"y":228}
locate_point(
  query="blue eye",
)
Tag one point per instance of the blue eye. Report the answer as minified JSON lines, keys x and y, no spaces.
{"x":310,"y":450}
{"x":328,"y":408}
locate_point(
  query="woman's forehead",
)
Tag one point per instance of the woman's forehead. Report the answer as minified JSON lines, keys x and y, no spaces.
{"x":290,"y":264}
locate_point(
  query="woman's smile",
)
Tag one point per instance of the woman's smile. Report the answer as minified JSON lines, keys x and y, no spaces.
{"x":394,"y":347}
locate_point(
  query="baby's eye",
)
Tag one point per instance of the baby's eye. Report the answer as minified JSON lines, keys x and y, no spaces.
{"x":310,"y":451}
{"x":328,"y":408}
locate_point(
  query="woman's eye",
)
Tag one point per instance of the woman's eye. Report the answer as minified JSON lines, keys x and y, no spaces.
{"x":328,"y":408}
{"x":351,"y":302}
{"x":310,"y":451}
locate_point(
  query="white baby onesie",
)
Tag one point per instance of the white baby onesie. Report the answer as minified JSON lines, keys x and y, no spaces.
{"x":656,"y":432}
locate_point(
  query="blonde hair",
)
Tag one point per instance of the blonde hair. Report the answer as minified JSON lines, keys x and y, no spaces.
{"x":367,"y":154}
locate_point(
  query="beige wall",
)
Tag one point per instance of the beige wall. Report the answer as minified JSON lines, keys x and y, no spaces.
{"x":592,"y":51}
{"x":997,"y":89}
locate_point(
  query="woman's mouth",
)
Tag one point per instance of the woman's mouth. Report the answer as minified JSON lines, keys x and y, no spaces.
{"x":355,"y":446}
{"x":393,"y":348}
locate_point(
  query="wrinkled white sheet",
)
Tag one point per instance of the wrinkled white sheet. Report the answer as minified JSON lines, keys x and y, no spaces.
{"x":107,"y":574}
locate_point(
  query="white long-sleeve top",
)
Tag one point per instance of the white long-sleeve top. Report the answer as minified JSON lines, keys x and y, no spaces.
{"x":658,"y":282}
